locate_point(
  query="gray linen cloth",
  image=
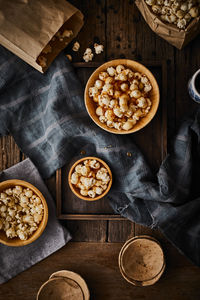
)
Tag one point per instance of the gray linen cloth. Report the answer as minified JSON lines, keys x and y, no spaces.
{"x":47,"y":117}
{"x":14,"y":260}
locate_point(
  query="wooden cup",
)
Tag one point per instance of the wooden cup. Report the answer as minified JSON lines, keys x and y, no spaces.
{"x":135,"y":66}
{"x":16,"y":242}
{"x":76,"y":190}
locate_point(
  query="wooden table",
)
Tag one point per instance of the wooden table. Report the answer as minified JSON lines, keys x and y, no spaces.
{"x":94,"y":250}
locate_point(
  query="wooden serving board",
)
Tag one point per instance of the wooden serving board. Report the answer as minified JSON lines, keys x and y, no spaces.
{"x":152,"y":140}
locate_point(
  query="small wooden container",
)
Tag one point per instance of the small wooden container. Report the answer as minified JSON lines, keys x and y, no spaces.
{"x":64,"y":283}
{"x":16,"y":242}
{"x":76,"y":190}
{"x":141,"y":260}
{"x":154,"y":94}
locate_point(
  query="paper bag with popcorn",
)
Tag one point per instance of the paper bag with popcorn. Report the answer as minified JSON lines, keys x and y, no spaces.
{"x":178,"y":34}
{"x":37,"y":30}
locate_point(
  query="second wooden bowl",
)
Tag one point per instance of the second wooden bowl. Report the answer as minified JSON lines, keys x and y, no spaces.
{"x":154,"y":94}
{"x":16,"y":242}
{"x":76,"y":190}
{"x":64,"y":285}
{"x":142,"y":261}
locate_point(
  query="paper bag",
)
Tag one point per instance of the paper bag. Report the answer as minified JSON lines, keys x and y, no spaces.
{"x":28,"y":26}
{"x":171,"y":33}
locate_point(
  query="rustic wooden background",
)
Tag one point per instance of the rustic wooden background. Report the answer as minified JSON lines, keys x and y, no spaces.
{"x":93,"y":253}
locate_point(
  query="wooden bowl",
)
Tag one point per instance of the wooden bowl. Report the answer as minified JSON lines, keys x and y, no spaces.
{"x":76,"y":277}
{"x":16,"y":242}
{"x":142,"y":252}
{"x":76,"y":190}
{"x":60,"y":288}
{"x":154,"y":95}
{"x":64,"y":285}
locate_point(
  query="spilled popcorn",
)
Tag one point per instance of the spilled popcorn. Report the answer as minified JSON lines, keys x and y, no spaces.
{"x":98,"y":48}
{"x":90,"y":178}
{"x":121,"y":96}
{"x":88,"y":55}
{"x":21,"y":212}
{"x":69,"y":57}
{"x":76,"y":46}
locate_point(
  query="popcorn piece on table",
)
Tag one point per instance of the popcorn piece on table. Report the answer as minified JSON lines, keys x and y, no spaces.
{"x":98,"y":48}
{"x":88,"y":55}
{"x":76,"y":46}
{"x":69,"y":57}
{"x":21,"y":212}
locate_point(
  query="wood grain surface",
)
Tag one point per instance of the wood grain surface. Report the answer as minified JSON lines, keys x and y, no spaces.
{"x":119,"y":26}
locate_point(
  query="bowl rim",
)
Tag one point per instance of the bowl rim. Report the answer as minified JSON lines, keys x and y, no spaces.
{"x":125,"y":62}
{"x":44,"y":221}
{"x":56,"y":279}
{"x":78,"y":194}
{"x":74,"y":276}
{"x":135,"y":281}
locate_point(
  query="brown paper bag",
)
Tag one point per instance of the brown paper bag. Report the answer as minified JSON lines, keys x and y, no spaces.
{"x":27,"y":26}
{"x":171,"y":33}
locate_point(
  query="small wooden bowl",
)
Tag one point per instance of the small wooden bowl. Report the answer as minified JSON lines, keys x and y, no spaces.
{"x":16,"y":242}
{"x":76,"y":277}
{"x":65,"y":284}
{"x":154,"y":95}
{"x":128,"y":258}
{"x":76,"y":190}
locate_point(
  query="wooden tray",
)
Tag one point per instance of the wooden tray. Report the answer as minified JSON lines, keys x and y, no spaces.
{"x":69,"y":207}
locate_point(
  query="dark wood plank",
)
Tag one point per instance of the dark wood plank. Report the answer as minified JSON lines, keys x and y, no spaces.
{"x":9,"y":152}
{"x":87,"y":231}
{"x":98,"y":264}
{"x":120,"y":231}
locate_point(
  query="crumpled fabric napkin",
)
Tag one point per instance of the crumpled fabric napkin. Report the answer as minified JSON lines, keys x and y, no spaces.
{"x":170,"y":200}
{"x":47,"y":117}
{"x":14,"y":260}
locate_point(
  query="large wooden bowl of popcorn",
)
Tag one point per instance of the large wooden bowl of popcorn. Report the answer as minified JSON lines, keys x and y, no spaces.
{"x":23,"y":213}
{"x":122,"y":96}
{"x":90,"y":178}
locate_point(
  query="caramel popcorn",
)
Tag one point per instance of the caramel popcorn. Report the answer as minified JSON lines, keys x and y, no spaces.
{"x":88,"y":55}
{"x":90,"y":178}
{"x":98,"y":48}
{"x":177,"y":12}
{"x":121,"y":96}
{"x":21,"y":212}
{"x":76,"y":46}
